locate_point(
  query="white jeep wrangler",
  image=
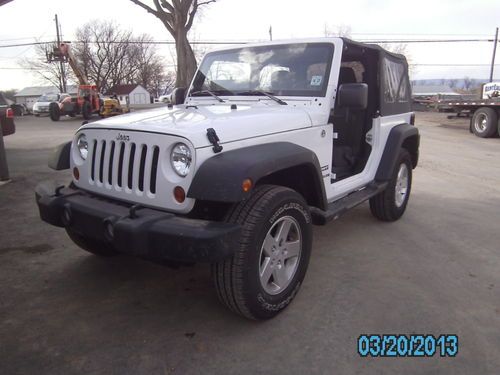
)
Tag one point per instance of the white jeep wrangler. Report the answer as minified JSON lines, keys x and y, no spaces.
{"x":268,"y":140}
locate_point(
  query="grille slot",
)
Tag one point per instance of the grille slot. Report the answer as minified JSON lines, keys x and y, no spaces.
{"x":154,"y":169}
{"x":101,"y":161}
{"x":131,"y":166}
{"x":92,"y":169}
{"x":120,"y":164}
{"x":110,"y":168}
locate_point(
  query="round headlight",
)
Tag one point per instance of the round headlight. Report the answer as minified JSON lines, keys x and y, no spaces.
{"x":181,"y":159}
{"x":83,"y":146}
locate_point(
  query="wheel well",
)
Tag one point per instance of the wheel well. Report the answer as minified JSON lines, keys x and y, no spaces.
{"x":301,"y":178}
{"x":411,"y":144}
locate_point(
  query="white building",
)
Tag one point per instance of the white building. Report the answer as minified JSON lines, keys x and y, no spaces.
{"x":130,"y":94}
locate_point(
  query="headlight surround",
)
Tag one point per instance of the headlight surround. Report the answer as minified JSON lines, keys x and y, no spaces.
{"x":83,"y":146}
{"x":181,"y":159}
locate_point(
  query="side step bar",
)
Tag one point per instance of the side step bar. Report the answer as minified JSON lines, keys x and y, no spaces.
{"x":339,"y":207}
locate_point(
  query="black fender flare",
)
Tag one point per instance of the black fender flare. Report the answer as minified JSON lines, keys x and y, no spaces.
{"x":220,"y":178}
{"x":397,"y":137}
{"x":59,"y":159}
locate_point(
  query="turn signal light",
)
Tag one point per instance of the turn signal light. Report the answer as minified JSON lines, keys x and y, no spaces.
{"x":76,"y":173}
{"x":179,"y":194}
{"x":9,"y":113}
{"x":246,"y":185}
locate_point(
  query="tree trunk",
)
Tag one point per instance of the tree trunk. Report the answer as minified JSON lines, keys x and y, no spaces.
{"x":186,"y":61}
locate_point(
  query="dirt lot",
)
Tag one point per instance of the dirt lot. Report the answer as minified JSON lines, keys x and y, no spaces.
{"x":436,"y":271}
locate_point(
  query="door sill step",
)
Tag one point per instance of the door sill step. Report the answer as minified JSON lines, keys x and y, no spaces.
{"x":342,"y":205}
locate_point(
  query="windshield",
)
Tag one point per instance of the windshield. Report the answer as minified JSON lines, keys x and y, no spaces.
{"x":48,"y":98}
{"x":285,"y":70}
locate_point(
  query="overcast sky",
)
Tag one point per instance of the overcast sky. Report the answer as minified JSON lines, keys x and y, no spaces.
{"x":243,"y":20}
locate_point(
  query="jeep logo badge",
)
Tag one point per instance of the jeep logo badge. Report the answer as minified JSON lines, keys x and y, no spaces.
{"x":122,"y":137}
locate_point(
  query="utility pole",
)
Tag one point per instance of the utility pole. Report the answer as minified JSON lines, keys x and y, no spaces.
{"x":271,"y":32}
{"x":61,"y":64}
{"x":494,"y":54}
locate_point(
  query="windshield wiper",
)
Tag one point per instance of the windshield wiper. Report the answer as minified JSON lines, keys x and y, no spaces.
{"x":209,"y":93}
{"x":264,"y":93}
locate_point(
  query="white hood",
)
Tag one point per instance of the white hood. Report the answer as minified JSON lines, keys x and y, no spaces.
{"x":230,"y":124}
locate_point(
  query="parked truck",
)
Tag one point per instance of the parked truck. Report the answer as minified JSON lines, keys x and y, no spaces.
{"x":484,"y":111}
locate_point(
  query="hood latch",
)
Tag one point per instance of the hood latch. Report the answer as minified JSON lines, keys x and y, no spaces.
{"x":214,"y":140}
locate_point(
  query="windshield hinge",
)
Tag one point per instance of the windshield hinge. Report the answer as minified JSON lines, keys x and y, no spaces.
{"x":214,"y":140}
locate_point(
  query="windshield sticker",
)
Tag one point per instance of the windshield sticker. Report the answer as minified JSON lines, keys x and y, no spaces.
{"x":316,"y":80}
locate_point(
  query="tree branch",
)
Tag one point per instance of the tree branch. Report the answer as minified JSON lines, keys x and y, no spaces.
{"x":191,"y":15}
{"x":146,"y":7}
{"x":165,"y":4}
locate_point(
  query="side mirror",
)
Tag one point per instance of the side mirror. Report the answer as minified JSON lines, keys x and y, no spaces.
{"x":178,"y":95}
{"x":353,"y":96}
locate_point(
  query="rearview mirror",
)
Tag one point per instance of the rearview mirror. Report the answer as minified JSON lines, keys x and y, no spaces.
{"x":353,"y":96}
{"x":178,"y":95}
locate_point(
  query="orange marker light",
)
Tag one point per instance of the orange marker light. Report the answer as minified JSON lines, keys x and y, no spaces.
{"x":76,"y":173}
{"x":179,"y":194}
{"x":246,"y":185}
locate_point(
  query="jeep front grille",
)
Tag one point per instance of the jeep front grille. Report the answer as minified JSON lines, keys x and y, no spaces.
{"x":124,"y":165}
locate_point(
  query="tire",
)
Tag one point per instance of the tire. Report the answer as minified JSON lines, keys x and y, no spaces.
{"x":86,"y":111}
{"x":485,"y":122}
{"x":238,"y":281}
{"x":390,"y":204}
{"x":92,"y":246}
{"x":54,"y":112}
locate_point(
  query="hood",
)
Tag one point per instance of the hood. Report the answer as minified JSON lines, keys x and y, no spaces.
{"x":192,"y":122}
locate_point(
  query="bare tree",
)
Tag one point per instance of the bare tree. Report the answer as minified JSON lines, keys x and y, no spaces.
{"x":46,"y":71}
{"x":178,"y":16}
{"x":338,"y":30}
{"x":468,"y":83}
{"x":106,"y":53}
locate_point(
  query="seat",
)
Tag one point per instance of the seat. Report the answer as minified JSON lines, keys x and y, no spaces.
{"x":281,"y":80}
{"x":348,"y":124}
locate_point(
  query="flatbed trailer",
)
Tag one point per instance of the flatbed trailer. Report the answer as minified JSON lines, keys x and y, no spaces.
{"x":484,"y":112}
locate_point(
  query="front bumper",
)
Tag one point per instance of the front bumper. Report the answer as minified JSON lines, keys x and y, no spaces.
{"x":40,"y":111}
{"x":138,"y":231}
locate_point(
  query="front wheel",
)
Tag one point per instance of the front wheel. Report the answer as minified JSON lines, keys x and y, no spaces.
{"x":390,"y":204}
{"x":54,"y":111}
{"x":269,"y":265}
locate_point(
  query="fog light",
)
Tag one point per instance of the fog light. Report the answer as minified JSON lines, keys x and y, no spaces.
{"x":76,"y":173}
{"x":109,"y":230}
{"x":246,"y":185}
{"x":179,"y":194}
{"x":66,"y":215}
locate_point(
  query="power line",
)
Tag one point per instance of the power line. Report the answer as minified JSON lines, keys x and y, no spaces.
{"x":14,"y":39}
{"x":416,"y":64}
{"x":453,"y":64}
{"x":219,"y":42}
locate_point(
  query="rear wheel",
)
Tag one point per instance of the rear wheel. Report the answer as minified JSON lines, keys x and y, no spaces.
{"x":86,"y":110}
{"x":54,"y":112}
{"x":270,"y":263}
{"x":485,"y":122}
{"x":92,"y":246}
{"x":390,"y":204}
